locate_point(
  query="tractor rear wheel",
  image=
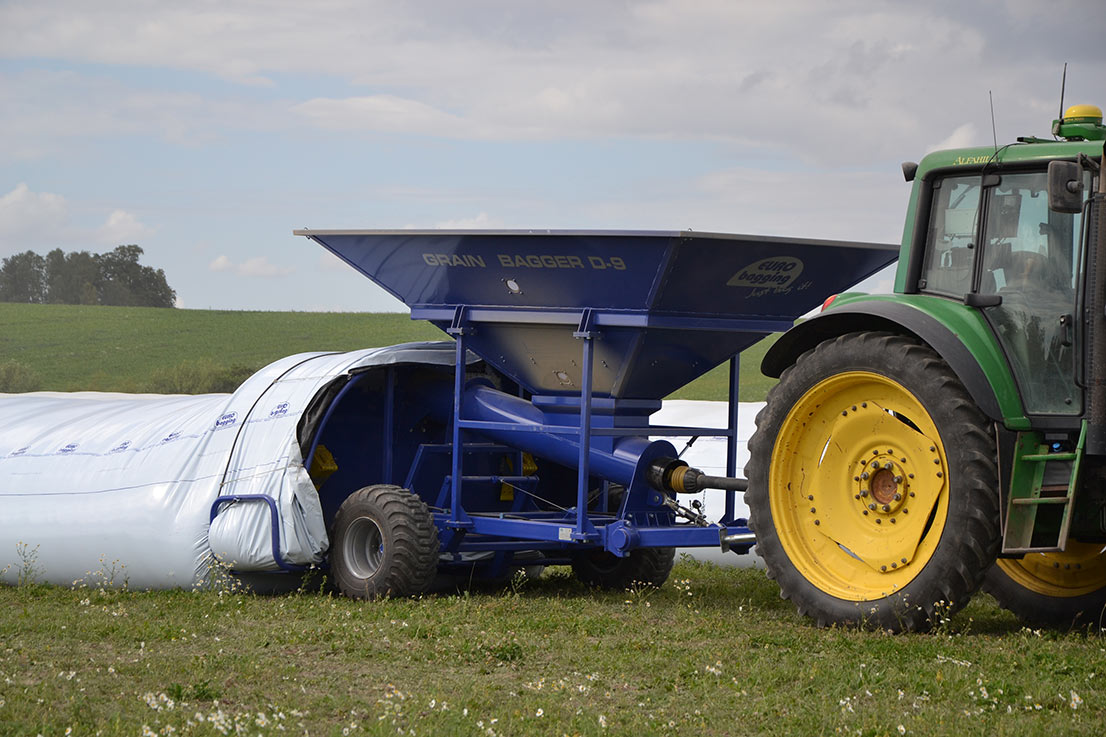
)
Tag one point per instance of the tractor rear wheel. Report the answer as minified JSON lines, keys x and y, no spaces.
{"x":872,"y":485}
{"x":649,"y":566}
{"x":1054,"y":590}
{"x":383,"y":543}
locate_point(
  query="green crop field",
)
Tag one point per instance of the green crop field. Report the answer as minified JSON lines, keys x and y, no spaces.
{"x":70,"y":347}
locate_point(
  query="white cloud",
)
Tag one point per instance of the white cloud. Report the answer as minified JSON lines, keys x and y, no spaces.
{"x":30,"y":219}
{"x":221,"y":263}
{"x":840,"y":92}
{"x":964,"y":136}
{"x":480,"y":222}
{"x":382,"y":114}
{"x":120,"y":228}
{"x":254,"y":267}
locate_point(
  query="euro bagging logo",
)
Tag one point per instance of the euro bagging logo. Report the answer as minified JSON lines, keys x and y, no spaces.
{"x":226,"y":420}
{"x":777,"y":273}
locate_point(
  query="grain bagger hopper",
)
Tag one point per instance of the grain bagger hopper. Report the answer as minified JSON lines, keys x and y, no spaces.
{"x":534,"y":447}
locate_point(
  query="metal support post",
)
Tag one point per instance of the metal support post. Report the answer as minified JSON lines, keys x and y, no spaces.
{"x":731,"y":438}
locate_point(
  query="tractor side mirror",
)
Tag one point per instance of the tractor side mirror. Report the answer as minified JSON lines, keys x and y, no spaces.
{"x":1065,"y":186}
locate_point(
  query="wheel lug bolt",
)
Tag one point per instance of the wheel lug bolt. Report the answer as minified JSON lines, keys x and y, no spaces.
{"x":898,"y":497}
{"x":875,"y":452}
{"x":903,"y":559}
{"x":864,"y":475}
{"x":906,"y":511}
{"x":864,"y":492}
{"x":910,"y":475}
{"x":898,"y":479}
{"x":817,"y":522}
{"x":892,"y":520}
{"x":854,"y":408}
{"x":810,"y":497}
{"x":857,"y":496}
{"x":863,"y":404}
{"x":894,"y":565}
{"x":879,"y":521}
{"x":872,"y":507}
{"x":856,"y":478}
{"x":939,"y":474}
{"x":912,"y":493}
{"x":812,"y":510}
{"x":883,"y":568}
{"x":886,"y":508}
{"x":932,"y":449}
{"x":865,"y":511}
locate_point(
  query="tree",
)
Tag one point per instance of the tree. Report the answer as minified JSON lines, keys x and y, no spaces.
{"x":113,"y":278}
{"x":23,"y":278}
{"x":72,"y":278}
{"x":124,"y":281}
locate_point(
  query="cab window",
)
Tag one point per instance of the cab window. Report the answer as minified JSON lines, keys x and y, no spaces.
{"x":953,"y":223}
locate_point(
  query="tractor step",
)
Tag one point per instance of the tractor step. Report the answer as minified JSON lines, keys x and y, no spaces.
{"x":1042,"y":489}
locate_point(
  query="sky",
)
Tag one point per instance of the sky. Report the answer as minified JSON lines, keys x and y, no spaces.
{"x":205,"y":131}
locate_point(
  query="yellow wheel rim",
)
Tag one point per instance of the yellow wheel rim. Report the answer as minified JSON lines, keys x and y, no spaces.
{"x":1079,"y":570}
{"x":858,"y":486}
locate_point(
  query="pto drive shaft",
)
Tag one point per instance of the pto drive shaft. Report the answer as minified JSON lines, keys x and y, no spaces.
{"x":670,"y":474}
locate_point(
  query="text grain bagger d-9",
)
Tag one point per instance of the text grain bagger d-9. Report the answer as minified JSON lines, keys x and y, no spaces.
{"x":912,"y":440}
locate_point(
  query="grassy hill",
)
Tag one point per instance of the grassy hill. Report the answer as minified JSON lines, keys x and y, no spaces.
{"x":72,"y":347}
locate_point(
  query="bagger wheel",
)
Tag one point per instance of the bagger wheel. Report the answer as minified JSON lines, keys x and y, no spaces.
{"x":607,"y":571}
{"x":1056,"y":590}
{"x":384,"y":543}
{"x":872,"y":485}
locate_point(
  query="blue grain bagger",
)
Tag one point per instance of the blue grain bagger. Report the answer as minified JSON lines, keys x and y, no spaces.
{"x":533,"y":448}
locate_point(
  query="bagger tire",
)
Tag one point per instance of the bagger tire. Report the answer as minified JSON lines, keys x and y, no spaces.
{"x":649,"y":566}
{"x":385,"y":544}
{"x":872,"y":485}
{"x":1054,"y":590}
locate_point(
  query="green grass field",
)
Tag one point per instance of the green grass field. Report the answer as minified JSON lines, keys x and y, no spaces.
{"x":713,"y":652}
{"x":71,"y":347}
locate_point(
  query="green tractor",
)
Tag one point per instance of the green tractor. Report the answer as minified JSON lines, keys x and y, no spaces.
{"x":952,"y":435}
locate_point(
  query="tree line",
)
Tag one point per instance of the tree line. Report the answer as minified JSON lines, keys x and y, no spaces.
{"x":83,"y":278}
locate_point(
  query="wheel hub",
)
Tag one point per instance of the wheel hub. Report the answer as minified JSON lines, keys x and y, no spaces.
{"x":882,"y":484}
{"x":363,"y":547}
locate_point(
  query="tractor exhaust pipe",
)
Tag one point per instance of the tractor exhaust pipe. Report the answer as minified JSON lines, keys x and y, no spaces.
{"x":1096,"y":245}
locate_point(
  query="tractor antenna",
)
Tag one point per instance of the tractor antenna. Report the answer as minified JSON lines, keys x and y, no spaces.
{"x":994,"y":131}
{"x":1063,"y":84}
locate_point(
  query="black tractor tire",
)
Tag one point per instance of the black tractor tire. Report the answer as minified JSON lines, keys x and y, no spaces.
{"x":648,"y":566}
{"x":383,"y":544}
{"x":863,"y":430}
{"x":1053,"y":590}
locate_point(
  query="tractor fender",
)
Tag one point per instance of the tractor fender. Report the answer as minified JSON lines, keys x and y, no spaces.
{"x":896,"y":317}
